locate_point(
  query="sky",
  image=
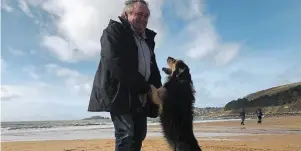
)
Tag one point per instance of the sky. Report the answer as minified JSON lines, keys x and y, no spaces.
{"x":50,"y":50}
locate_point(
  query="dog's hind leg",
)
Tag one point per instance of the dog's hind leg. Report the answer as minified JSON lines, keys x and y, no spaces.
{"x":187,"y":147}
{"x":191,"y":145}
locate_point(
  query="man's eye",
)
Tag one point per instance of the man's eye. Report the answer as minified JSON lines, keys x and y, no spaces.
{"x":142,"y":15}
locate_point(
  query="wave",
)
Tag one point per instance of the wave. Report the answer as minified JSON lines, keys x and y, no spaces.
{"x":73,"y":126}
{"x":18,"y":126}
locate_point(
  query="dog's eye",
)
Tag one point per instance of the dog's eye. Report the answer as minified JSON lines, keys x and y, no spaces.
{"x":180,"y":71}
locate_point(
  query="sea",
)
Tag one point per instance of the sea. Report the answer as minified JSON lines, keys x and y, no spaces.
{"x":68,"y":130}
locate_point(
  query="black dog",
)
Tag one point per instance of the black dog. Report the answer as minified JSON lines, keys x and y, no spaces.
{"x":176,"y":100}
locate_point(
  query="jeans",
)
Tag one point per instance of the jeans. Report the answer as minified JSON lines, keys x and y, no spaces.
{"x":242,"y":121}
{"x":130,"y":131}
{"x":259,"y":119}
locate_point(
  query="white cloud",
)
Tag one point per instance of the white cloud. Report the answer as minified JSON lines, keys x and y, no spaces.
{"x":34,"y":2}
{"x":16,"y":92}
{"x":24,"y":7}
{"x":156,"y":21}
{"x":289,"y":75}
{"x":16,"y":52}
{"x":10,"y":92}
{"x":33,"y":52}
{"x":226,"y":53}
{"x":79,"y":25}
{"x":2,"y":65}
{"x":77,"y":38}
{"x":74,"y":81}
{"x":31,"y":70}
{"x":246,"y":74}
{"x":60,"y":47}
{"x":5,"y":5}
{"x":201,"y":38}
{"x":188,"y":10}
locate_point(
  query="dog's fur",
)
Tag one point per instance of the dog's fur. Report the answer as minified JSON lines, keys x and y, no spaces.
{"x":176,"y":101}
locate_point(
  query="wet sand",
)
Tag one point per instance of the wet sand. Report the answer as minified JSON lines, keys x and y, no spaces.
{"x":277,"y":133}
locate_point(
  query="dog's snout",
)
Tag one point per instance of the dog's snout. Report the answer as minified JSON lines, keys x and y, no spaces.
{"x":167,"y":70}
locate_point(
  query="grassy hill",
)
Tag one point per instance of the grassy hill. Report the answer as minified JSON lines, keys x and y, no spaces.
{"x":275,"y":101}
{"x":284,"y":98}
{"x":273,"y":91}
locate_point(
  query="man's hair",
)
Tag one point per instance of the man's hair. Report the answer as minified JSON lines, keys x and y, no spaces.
{"x":129,"y":4}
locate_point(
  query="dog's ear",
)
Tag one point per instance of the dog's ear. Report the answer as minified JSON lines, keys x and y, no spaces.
{"x":180,"y":68}
{"x":180,"y":71}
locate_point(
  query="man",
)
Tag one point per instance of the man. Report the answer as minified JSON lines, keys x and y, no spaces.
{"x":126,"y":73}
{"x":242,"y":116}
{"x":259,"y":116}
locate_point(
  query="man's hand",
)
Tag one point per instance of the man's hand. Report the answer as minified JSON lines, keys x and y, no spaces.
{"x":153,"y":94}
{"x":152,"y":89}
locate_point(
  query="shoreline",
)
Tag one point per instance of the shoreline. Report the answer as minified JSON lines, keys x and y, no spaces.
{"x":208,"y":128}
{"x":275,"y":133}
{"x":80,"y":132}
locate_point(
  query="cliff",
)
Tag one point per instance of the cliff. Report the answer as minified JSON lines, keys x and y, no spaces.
{"x":284,"y":98}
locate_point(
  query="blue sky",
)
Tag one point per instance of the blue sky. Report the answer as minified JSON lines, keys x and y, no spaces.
{"x":50,"y":50}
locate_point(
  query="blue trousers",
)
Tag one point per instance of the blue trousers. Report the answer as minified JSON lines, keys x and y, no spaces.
{"x":130,"y":131}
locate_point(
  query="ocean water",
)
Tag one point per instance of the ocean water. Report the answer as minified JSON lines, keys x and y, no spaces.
{"x":57,"y":130}
{"x":68,"y":130}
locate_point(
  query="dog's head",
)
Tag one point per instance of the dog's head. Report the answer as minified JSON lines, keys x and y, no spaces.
{"x":178,"y":69}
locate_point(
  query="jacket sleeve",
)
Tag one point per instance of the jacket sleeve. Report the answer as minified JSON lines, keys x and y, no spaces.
{"x":116,"y":58}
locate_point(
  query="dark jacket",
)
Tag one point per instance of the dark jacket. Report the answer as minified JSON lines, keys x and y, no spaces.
{"x":242,"y":114}
{"x":259,"y":113}
{"x":117,"y":81}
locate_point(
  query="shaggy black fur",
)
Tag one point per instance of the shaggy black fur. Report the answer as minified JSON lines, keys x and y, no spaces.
{"x":177,"y":109}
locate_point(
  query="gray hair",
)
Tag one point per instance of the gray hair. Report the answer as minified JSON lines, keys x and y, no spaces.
{"x":129,"y":5}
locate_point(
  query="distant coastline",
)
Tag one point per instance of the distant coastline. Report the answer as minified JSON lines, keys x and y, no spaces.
{"x":95,"y":118}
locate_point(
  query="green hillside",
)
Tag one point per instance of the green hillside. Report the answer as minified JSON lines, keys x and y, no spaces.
{"x":288,"y":95}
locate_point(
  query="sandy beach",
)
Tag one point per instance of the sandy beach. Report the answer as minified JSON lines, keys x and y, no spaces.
{"x":274,"y":134}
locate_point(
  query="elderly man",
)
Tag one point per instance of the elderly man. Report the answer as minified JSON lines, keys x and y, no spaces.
{"x":126,"y":73}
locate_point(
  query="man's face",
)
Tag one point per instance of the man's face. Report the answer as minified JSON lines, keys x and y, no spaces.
{"x":139,"y":16}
